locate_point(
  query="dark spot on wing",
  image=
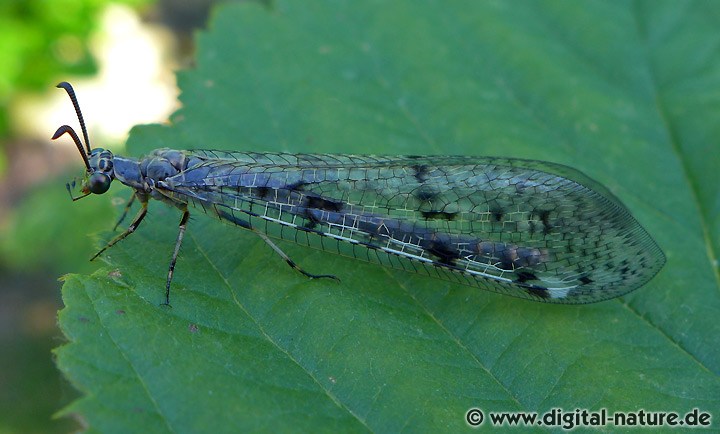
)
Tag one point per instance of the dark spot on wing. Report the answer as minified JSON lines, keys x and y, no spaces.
{"x":537,"y":291}
{"x":438,"y":215}
{"x":421,"y":172}
{"x":263,"y":192}
{"x":446,"y":254}
{"x":524,"y":276}
{"x":424,"y":194}
{"x":625,"y":267}
{"x":297,"y":186}
{"x":545,"y":219}
{"x":497,"y":214}
{"x":322,"y":203}
{"x":532,"y":225}
{"x":585,"y":280}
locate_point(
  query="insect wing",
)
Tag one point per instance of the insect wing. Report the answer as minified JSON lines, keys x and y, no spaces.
{"x":519,"y":227}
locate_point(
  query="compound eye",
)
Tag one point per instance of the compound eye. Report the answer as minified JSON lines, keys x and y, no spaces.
{"x":99,"y":183}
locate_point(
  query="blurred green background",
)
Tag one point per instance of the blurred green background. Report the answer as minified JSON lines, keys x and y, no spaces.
{"x":100,"y":46}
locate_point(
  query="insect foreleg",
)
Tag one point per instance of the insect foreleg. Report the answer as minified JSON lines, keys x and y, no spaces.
{"x":136,"y":222}
{"x":171,"y":270}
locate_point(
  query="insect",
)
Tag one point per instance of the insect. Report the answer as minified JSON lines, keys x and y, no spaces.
{"x":529,"y":229}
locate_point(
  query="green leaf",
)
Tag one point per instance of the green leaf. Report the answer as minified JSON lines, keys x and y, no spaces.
{"x":625,"y":92}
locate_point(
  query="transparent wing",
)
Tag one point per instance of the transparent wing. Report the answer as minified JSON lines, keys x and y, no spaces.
{"x":525,"y":228}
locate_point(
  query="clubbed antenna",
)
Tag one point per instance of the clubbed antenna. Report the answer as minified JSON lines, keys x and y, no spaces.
{"x":69,"y":130}
{"x":71,"y":93}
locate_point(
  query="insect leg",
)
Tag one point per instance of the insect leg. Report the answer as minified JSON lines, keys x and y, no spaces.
{"x":246,"y":225}
{"x":289,"y":261}
{"x":125,"y":211}
{"x":136,"y":222}
{"x":171,"y":270}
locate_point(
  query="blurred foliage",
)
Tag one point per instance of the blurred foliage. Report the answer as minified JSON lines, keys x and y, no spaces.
{"x":31,"y":240}
{"x":32,"y":391}
{"x":40,"y":40}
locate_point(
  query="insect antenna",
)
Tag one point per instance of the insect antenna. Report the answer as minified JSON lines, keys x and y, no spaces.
{"x":71,"y":93}
{"x":69,"y":130}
